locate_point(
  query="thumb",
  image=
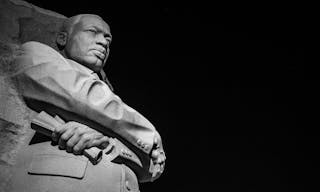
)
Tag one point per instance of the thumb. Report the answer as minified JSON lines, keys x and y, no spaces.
{"x":101,"y":143}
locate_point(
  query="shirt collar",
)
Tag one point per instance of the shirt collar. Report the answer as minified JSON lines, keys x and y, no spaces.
{"x":102,"y":75}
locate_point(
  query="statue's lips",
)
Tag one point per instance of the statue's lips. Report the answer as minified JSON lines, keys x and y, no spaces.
{"x":99,"y":53}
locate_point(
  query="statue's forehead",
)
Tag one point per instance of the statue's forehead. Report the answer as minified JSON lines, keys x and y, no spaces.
{"x":95,"y":21}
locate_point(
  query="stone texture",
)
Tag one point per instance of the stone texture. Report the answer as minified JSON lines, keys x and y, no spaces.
{"x":20,"y":21}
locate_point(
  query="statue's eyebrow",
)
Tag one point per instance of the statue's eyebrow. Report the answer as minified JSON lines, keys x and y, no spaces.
{"x":100,"y":30}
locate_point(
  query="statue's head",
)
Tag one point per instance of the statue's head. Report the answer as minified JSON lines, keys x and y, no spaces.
{"x":85,"y":39}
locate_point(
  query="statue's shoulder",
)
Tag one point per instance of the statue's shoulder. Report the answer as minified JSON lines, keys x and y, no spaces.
{"x":34,"y":45}
{"x":39,"y":53}
{"x":37,"y":48}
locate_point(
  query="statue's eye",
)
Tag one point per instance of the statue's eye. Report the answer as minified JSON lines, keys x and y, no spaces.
{"x":92,"y":31}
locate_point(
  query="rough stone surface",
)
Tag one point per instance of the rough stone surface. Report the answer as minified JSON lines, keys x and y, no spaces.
{"x":15,"y":116}
{"x":20,"y":21}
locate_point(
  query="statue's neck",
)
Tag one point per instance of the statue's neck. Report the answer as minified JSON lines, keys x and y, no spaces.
{"x":63,"y":53}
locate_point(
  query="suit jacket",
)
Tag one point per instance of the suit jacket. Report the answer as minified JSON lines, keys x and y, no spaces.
{"x":43,"y":167}
{"x":59,"y":86}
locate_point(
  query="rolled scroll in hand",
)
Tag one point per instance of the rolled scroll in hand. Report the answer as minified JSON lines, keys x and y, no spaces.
{"x":46,"y":124}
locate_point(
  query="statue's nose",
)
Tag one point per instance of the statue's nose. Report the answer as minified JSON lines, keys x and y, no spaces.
{"x":102,"y":41}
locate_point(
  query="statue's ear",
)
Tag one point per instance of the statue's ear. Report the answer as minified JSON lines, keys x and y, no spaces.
{"x":61,"y":39}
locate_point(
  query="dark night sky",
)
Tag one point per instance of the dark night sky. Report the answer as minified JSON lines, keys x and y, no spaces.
{"x":226,"y":92}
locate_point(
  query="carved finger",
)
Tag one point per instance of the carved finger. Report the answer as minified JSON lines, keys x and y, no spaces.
{"x":155,"y":154}
{"x":101,"y":142}
{"x":72,"y":142}
{"x":64,"y":138}
{"x":84,"y":139}
{"x":54,"y":136}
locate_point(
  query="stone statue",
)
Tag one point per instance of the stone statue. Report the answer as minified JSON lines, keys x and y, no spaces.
{"x":70,"y":84}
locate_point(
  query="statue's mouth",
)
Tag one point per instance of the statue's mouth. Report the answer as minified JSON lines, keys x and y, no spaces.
{"x":100,"y":54}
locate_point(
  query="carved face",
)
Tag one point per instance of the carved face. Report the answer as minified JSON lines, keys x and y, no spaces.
{"x":89,"y":41}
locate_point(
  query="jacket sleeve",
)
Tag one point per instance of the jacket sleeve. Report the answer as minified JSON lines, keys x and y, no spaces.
{"x":49,"y":78}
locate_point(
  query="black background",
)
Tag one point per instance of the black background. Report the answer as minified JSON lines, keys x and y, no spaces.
{"x":224,"y":86}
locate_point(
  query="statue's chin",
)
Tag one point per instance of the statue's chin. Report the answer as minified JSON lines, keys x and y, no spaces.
{"x":93,"y":63}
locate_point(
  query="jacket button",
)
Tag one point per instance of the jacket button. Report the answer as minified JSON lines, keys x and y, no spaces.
{"x":123,"y":152}
{"x":128,"y":186}
{"x":128,"y":153}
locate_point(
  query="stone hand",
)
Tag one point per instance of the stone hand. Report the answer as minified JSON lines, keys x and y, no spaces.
{"x":75,"y":137}
{"x":158,"y":157}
